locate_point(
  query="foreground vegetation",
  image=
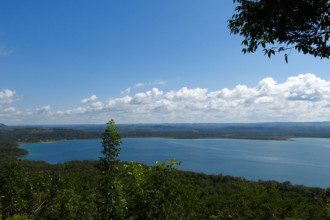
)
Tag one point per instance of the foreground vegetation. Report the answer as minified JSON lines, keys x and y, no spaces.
{"x":110,"y":189}
{"x":72,"y":191}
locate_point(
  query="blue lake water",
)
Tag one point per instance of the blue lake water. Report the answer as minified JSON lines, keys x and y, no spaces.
{"x":300,"y":161}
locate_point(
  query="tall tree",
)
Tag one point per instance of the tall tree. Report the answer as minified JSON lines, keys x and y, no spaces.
{"x":111,"y":142}
{"x":111,"y":200}
{"x":283,"y":25}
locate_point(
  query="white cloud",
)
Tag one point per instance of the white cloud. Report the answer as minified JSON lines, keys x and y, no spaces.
{"x":44,"y":110}
{"x":89,"y":99}
{"x":74,"y":111}
{"x":9,"y":110}
{"x":304,"y":97}
{"x":7,"y":96}
{"x":97,"y":105}
{"x":300,"y":98}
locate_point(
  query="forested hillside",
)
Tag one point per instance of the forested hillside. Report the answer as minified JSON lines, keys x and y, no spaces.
{"x":272,"y":131}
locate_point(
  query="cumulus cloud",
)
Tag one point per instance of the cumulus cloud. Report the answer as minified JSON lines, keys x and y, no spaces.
{"x":89,"y":99}
{"x":7,"y":99}
{"x":7,"y":96}
{"x":9,"y":110}
{"x":44,"y":110}
{"x":304,"y":97}
{"x":300,"y":98}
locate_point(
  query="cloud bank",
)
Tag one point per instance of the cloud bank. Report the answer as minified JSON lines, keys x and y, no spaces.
{"x":304,"y":97}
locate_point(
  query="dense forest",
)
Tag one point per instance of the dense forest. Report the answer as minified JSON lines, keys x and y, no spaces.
{"x":111,"y":189}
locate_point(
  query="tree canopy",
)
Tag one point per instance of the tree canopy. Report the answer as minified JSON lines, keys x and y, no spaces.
{"x":283,"y":25}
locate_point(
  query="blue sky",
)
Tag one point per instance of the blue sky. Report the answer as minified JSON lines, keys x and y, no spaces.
{"x":53,"y":54}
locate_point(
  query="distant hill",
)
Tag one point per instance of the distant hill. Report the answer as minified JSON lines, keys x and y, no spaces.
{"x":271,"y":130}
{"x":3,"y":126}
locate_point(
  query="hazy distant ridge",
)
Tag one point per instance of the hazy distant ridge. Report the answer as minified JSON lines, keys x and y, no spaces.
{"x":269,"y":130}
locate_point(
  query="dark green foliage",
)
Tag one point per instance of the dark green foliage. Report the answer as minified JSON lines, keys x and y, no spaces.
{"x":157,"y":192}
{"x":15,"y":189}
{"x":282,"y":25}
{"x":70,"y":191}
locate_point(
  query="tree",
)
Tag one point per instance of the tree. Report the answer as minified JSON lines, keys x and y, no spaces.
{"x":110,"y":142}
{"x":283,"y":25}
{"x":14,"y":189}
{"x":110,"y":202}
{"x":168,"y":196}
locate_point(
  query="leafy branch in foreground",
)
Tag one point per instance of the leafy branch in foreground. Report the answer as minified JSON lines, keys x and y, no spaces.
{"x":282,"y":25}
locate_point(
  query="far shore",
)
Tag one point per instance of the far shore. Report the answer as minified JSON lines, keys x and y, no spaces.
{"x":188,"y":138}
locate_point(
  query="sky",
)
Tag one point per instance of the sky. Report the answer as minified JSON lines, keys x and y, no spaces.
{"x":146,"y":61}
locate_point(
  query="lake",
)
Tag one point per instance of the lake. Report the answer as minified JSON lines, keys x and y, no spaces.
{"x":300,"y":161}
